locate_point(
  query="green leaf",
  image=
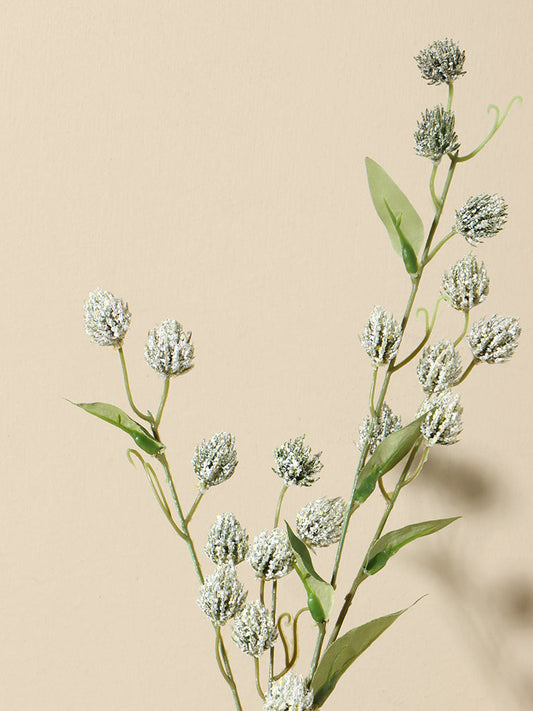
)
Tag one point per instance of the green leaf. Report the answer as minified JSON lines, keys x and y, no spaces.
{"x":408,"y":253}
{"x":344,"y":651}
{"x":390,"y":543}
{"x":386,"y":456}
{"x":383,"y":188}
{"x":320,"y":594}
{"x":115,"y":416}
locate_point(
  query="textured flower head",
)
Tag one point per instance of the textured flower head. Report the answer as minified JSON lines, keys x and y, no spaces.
{"x":227,"y":541}
{"x":381,"y":336}
{"x":168,"y":349}
{"x":320,"y":522}
{"x":386,"y":424}
{"x":254,"y":630}
{"x":296,"y":466}
{"x":439,"y":368}
{"x":481,"y":217}
{"x":443,"y":425}
{"x":222,"y":596}
{"x":215,"y":460}
{"x":441,"y":62}
{"x":271,"y":555}
{"x":107,"y":318}
{"x":435,"y":135}
{"x":291,"y":693}
{"x":494,"y":339}
{"x":467,"y":284}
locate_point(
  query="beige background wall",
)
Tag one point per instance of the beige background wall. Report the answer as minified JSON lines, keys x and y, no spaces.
{"x":205,"y":161}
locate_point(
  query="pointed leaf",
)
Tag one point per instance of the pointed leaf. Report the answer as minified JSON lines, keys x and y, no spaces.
{"x":391,"y":542}
{"x":382,"y":188}
{"x":320,"y":594}
{"x":115,"y":416}
{"x":386,"y":456}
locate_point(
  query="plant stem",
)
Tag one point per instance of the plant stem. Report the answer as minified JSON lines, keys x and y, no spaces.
{"x":373,"y":392}
{"x":164,"y":396}
{"x":128,"y":389}
{"x":436,"y":201}
{"x":258,"y":678}
{"x":318,"y":649}
{"x":463,"y":332}
{"x":275,"y":582}
{"x":193,"y":508}
{"x":468,"y":370}
{"x":278,"y":507}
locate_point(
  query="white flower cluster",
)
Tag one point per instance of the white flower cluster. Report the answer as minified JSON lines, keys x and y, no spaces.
{"x":381,"y":336}
{"x":481,"y":217}
{"x":443,"y":424}
{"x":227,"y":541}
{"x":168,"y":349}
{"x":467,"y":284}
{"x":494,"y":339}
{"x":435,"y":135}
{"x":296,"y":466}
{"x":290,"y":693}
{"x":215,"y":460}
{"x":439,"y":368}
{"x":386,"y":424}
{"x":441,"y":62}
{"x":107,"y":318}
{"x":271,"y":555}
{"x":254,"y":630}
{"x":222,"y":595}
{"x":319,"y":523}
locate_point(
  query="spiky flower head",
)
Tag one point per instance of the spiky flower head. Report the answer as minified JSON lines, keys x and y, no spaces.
{"x":168,"y":349}
{"x":271,"y":555}
{"x":441,"y":62}
{"x":227,"y":541}
{"x":481,"y":217}
{"x":215,"y":460}
{"x":439,"y":368}
{"x":296,"y":466}
{"x":494,"y":339}
{"x":222,"y":595}
{"x":291,"y":693}
{"x":107,"y":318}
{"x":254,"y":630}
{"x":467,"y":284}
{"x":443,"y":425}
{"x":435,"y":135}
{"x":386,"y":424}
{"x":319,"y":523}
{"x":381,"y":336}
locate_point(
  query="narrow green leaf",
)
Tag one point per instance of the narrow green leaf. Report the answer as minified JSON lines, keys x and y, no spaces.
{"x":382,"y":188}
{"x":344,"y":651}
{"x":408,"y":253}
{"x":320,"y":594}
{"x":386,"y":456}
{"x":389,"y":544}
{"x":115,"y":416}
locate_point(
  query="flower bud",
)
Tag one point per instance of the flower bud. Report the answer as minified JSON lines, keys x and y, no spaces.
{"x":222,"y":596}
{"x":435,"y":135}
{"x":481,"y":217}
{"x":494,"y":339}
{"x":386,"y":424}
{"x":107,"y":318}
{"x":441,"y":62}
{"x":320,"y":522}
{"x":444,"y":424}
{"x":168,"y":349}
{"x":271,"y":555}
{"x":296,"y":466}
{"x":439,"y":368}
{"x":467,"y":284}
{"x":291,"y":693}
{"x":215,"y":460}
{"x":254,"y":630}
{"x":227,"y":541}
{"x":381,"y":336}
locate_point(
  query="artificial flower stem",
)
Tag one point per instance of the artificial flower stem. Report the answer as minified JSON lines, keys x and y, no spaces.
{"x":373,"y":392}
{"x":258,"y":678}
{"x":497,"y":124}
{"x":318,"y":649}
{"x":128,"y":389}
{"x":463,"y":332}
{"x":450,"y":96}
{"x":468,"y":370}
{"x":436,"y":201}
{"x":162,"y":403}
{"x":193,"y":508}
{"x":275,"y":582}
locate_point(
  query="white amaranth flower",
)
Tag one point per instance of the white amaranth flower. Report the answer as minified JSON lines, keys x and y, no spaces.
{"x":254,"y":630}
{"x":439,"y":367}
{"x":494,"y":339}
{"x":222,"y":595}
{"x":291,"y":693}
{"x":227,"y":541}
{"x":386,"y":424}
{"x":467,"y":284}
{"x":381,"y":336}
{"x":444,"y":424}
{"x":481,"y":217}
{"x":435,"y":135}
{"x":215,"y":460}
{"x":271,"y":555}
{"x":441,"y":62}
{"x":296,"y":466}
{"x":168,"y":349}
{"x":319,"y":523}
{"x":107,"y":318}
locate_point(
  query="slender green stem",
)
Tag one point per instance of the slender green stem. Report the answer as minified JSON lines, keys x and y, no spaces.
{"x":383,"y":490}
{"x":164,"y":396}
{"x":318,"y":649}
{"x":440,"y":245}
{"x":275,"y":582}
{"x":463,"y":332}
{"x":262,"y":590}
{"x":258,"y":678}
{"x":450,"y":96}
{"x":373,"y":392}
{"x":468,"y":370}
{"x":429,"y":330}
{"x":419,"y":466}
{"x":436,"y":201}
{"x":282,"y":636}
{"x":497,"y":124}
{"x":291,"y":662}
{"x":278,"y":507}
{"x":193,"y":508}
{"x":128,"y":389}
{"x":221,"y":666}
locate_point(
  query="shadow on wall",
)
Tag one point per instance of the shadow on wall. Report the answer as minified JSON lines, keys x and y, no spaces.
{"x":495,"y":615}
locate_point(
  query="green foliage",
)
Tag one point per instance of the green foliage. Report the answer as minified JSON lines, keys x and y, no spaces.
{"x":408,"y":253}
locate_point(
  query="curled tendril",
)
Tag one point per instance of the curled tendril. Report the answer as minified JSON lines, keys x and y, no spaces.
{"x":429,"y":328}
{"x":497,"y":123}
{"x":289,"y":662}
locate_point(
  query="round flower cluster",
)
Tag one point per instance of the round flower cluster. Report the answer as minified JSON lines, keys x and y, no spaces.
{"x":271,"y":555}
{"x":296,"y":466}
{"x":291,"y":693}
{"x":319,"y":523}
{"x":227,"y":541}
{"x":168,"y":349}
{"x":481,"y":217}
{"x":386,"y":424}
{"x":435,"y":135}
{"x":381,"y":336}
{"x":439,"y":368}
{"x":494,"y":340}
{"x":467,"y":284}
{"x":254,"y":630}
{"x":222,"y":595}
{"x":443,"y":423}
{"x":441,"y":62}
{"x":107,"y":318}
{"x":215,"y":460}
